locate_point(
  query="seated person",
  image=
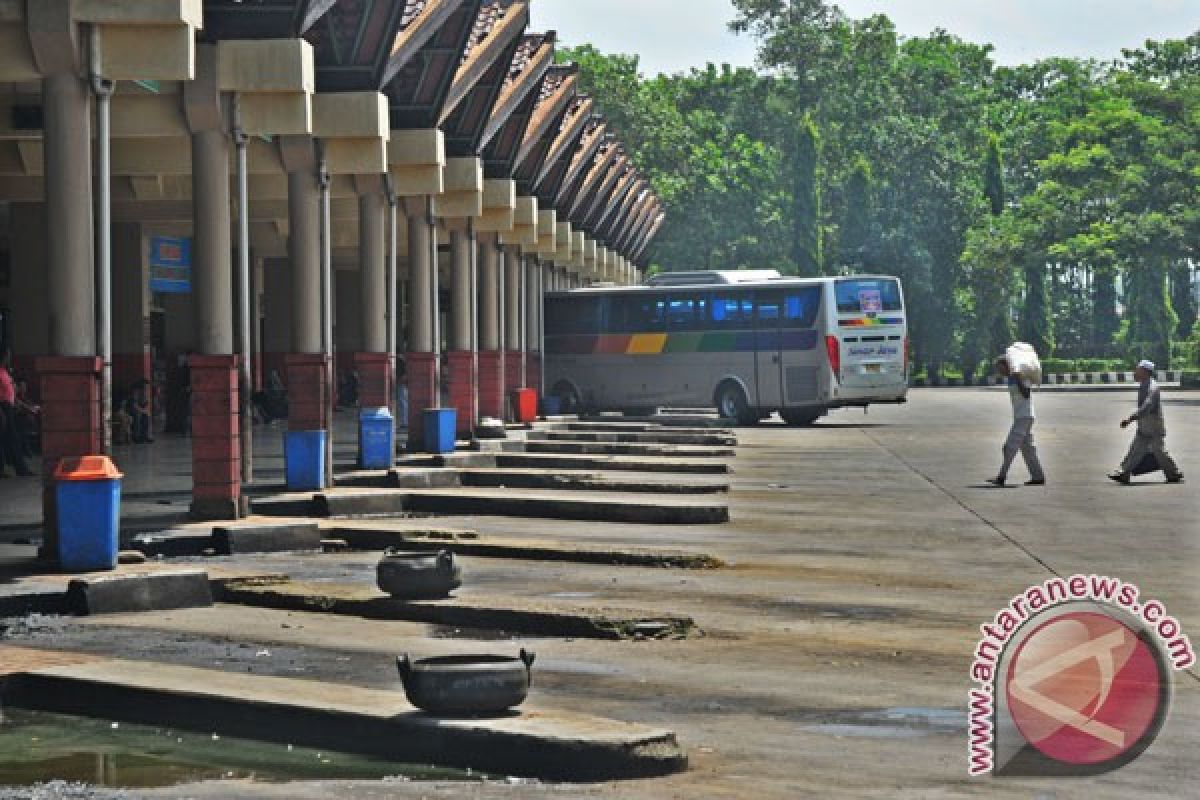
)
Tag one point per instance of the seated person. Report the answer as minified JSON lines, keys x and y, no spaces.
{"x":137,"y":407}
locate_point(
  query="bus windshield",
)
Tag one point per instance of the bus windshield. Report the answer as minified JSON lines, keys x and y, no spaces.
{"x":868,"y":295}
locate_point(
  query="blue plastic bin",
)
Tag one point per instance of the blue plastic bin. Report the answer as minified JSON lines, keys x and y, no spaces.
{"x":376,"y":438}
{"x":304,"y":460}
{"x":439,"y":424}
{"x":551,"y":405}
{"x":88,"y":509}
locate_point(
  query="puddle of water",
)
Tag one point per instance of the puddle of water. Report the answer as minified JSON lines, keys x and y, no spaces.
{"x":891,"y":723}
{"x":36,"y":747}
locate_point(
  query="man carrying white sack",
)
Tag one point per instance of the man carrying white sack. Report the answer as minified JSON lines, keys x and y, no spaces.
{"x":1020,"y":435}
{"x":1151,"y":435}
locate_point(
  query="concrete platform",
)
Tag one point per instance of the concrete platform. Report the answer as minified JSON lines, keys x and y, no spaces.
{"x":597,"y":506}
{"x":382,"y":535}
{"x":536,"y":742}
{"x":529,"y":478}
{"x":613,"y":463}
{"x":627,"y":449}
{"x":665,"y":436}
{"x":692,"y":419}
{"x":474,"y":610}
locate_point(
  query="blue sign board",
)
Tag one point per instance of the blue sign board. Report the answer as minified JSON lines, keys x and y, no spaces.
{"x":170,"y":265}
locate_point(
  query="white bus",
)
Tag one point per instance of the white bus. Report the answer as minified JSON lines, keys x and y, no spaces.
{"x":749,"y":344}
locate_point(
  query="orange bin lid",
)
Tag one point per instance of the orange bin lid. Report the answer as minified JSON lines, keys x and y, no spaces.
{"x":86,"y":468}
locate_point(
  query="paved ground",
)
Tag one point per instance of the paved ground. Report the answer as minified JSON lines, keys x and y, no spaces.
{"x":864,"y":554}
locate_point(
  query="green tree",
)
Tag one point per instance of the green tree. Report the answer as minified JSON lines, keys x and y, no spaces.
{"x":806,"y":200}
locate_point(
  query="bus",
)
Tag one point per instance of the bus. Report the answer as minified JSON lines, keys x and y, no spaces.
{"x":749,"y":344}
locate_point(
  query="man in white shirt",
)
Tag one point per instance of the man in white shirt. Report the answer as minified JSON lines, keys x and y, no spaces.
{"x":1020,"y":435}
{"x":1151,"y":435}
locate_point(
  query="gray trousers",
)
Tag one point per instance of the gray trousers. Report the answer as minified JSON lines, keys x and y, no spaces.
{"x":1157,"y":445}
{"x":1020,"y":438}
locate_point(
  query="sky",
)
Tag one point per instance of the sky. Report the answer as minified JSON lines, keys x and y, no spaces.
{"x":674,"y":35}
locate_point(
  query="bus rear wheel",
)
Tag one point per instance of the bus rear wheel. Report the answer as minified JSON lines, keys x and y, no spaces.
{"x":800,"y":417}
{"x":732,"y":403}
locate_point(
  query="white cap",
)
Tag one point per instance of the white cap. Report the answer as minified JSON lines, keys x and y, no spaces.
{"x":1146,"y":364}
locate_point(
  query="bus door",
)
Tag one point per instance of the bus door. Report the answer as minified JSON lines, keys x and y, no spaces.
{"x":768,"y":348}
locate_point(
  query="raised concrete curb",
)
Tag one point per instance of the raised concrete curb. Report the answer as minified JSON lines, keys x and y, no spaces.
{"x":537,"y":742}
{"x":365,"y":537}
{"x":479,"y":611}
{"x":161,"y":591}
{"x":231,"y":540}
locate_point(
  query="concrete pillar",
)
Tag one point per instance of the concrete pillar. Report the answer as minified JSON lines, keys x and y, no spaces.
{"x":421,"y":367}
{"x":491,"y":356}
{"x":69,"y":376}
{"x":533,"y":317}
{"x":216,"y":441}
{"x":514,"y":319}
{"x":463,"y":378}
{"x":372,"y":363}
{"x":309,"y":391}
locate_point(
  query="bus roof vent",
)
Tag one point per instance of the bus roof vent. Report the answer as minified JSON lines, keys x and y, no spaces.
{"x":713,"y":277}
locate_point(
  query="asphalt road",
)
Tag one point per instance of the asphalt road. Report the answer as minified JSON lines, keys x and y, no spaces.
{"x":864,"y":553}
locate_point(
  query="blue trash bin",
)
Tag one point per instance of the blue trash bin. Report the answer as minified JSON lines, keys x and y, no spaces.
{"x":551,"y":405}
{"x":439,"y":431}
{"x":304,"y":460}
{"x":88,"y":511}
{"x":376,"y":439}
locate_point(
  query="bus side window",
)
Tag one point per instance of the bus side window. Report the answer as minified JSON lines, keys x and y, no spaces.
{"x":800,"y":307}
{"x":686,"y":312}
{"x":732,"y":311}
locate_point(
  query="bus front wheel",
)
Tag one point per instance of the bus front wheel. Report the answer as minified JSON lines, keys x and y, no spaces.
{"x":732,"y":403}
{"x":800,"y":417}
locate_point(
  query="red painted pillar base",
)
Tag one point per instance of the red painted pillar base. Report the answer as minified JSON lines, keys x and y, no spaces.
{"x":462,"y":381}
{"x":216,"y":440}
{"x":375,"y":389}
{"x":420,"y":372}
{"x":70,"y":391}
{"x":491,"y":384}
{"x":308,"y":391}
{"x":514,"y":361}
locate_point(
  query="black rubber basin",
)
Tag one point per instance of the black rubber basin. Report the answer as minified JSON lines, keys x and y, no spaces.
{"x":467,"y":685}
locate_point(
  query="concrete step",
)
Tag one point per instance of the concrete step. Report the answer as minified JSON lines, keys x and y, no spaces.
{"x":536,"y":742}
{"x":635,"y":437}
{"x":609,"y":463}
{"x":467,"y":610}
{"x":628,"y":449}
{"x":545,"y":504}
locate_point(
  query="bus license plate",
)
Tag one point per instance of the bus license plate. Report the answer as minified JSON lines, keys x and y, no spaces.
{"x":872,"y":367}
